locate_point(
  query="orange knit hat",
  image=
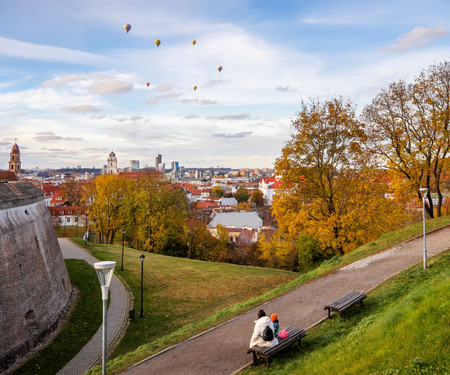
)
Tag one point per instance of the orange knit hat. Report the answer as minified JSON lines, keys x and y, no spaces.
{"x":273,"y":317}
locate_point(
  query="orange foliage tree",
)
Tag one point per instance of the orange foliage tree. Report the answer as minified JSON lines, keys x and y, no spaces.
{"x":328,"y":191}
{"x":408,"y":128}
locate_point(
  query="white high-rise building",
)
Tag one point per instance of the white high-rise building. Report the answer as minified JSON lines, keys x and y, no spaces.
{"x":134,"y":165}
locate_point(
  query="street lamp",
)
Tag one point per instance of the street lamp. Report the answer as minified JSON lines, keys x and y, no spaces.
{"x":142,"y":257}
{"x":123,"y":236}
{"x":104,"y":271}
{"x":424,"y":192}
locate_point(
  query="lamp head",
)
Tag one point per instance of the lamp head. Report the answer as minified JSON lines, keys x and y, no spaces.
{"x":123,"y":231}
{"x":423,"y":190}
{"x":142,"y":256}
{"x":104,"y":271}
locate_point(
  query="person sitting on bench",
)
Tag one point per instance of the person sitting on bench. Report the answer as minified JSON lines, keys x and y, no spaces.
{"x":260,"y":324}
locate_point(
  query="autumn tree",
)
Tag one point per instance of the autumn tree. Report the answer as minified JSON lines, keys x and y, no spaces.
{"x":242,"y":195}
{"x":258,"y":198}
{"x":217,"y":191}
{"x":408,"y":128}
{"x":73,"y":191}
{"x":328,"y":191}
{"x":244,"y":206}
{"x":105,"y":197}
{"x":160,"y":212}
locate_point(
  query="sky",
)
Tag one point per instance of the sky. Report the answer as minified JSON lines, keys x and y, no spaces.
{"x":73,"y":82}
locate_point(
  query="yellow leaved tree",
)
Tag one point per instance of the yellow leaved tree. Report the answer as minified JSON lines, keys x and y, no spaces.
{"x":329,"y":190}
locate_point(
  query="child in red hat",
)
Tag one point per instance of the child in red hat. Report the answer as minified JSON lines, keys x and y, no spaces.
{"x":276,"y":324}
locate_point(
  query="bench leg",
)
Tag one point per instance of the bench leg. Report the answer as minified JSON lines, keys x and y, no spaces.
{"x":254,"y":358}
{"x":267,"y":362}
{"x":329,"y":313}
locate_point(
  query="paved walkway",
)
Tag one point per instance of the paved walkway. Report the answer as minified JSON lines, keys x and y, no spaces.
{"x":117,"y":315}
{"x":222,"y":350}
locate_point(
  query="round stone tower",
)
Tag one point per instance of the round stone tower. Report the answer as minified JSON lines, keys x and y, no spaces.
{"x":35,"y":288}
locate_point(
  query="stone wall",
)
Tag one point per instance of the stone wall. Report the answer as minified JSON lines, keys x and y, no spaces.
{"x":34,"y":285}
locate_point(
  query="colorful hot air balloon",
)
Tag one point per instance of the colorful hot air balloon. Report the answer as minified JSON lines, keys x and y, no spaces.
{"x":219,"y":68}
{"x":127,"y":27}
{"x":157,"y":42}
{"x":148,"y":84}
{"x":194,"y":42}
{"x":195,"y":88}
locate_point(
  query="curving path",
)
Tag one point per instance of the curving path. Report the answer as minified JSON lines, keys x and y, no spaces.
{"x":222,"y":350}
{"x":117,"y":315}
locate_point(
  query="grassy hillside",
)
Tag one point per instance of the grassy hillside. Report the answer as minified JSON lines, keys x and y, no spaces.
{"x":179,"y":293}
{"x":139,"y":331}
{"x":403,"y":328}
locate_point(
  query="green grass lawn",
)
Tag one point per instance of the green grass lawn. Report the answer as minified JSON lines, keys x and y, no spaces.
{"x":181,"y":296}
{"x":185,"y":297}
{"x":403,"y":328}
{"x":69,"y":231}
{"x":82,"y":324}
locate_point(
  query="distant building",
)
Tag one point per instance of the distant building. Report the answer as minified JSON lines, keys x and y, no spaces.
{"x":111,"y":164}
{"x":7,"y":176}
{"x":134,"y":166}
{"x":236,"y":220}
{"x":268,"y":187}
{"x":158,"y":162}
{"x":14,"y":161}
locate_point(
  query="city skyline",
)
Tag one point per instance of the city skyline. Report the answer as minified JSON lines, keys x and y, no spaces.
{"x":73,"y":82}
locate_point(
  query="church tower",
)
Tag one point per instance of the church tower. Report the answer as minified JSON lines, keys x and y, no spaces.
{"x":14,"y":161}
{"x":111,"y":166}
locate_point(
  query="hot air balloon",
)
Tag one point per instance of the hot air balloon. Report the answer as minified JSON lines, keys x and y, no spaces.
{"x":194,"y":42}
{"x":127,"y":27}
{"x":195,"y":88}
{"x":219,"y":68}
{"x":157,"y":42}
{"x":148,"y":84}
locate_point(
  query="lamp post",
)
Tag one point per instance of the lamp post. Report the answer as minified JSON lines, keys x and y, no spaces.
{"x":424,"y":192}
{"x":142,"y":257}
{"x":123,"y":236}
{"x":104,"y":271}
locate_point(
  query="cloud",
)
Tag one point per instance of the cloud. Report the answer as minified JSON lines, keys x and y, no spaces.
{"x":231,"y":135}
{"x":95,"y":149}
{"x":418,"y":37}
{"x":285,"y":89}
{"x":131,"y":118}
{"x":190,"y":117}
{"x":64,"y":80}
{"x":47,"y":136}
{"x":38,"y":52}
{"x":156,"y":99}
{"x":215,"y":82}
{"x":82,"y":108}
{"x":240,"y":116}
{"x":199,"y":101}
{"x":50,"y":136}
{"x":98,"y":117}
{"x":163,"y":87}
{"x":110,"y":87}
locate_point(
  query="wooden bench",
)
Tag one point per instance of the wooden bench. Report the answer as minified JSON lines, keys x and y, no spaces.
{"x":295,"y":335}
{"x":345,"y":302}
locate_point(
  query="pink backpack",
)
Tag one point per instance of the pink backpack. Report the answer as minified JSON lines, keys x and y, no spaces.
{"x":283,"y":334}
